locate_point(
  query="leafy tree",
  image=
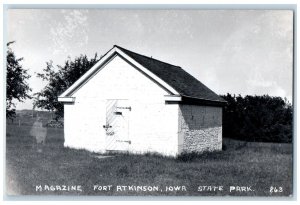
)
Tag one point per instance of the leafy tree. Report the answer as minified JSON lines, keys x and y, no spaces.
{"x":17,"y":87}
{"x":257,"y":118}
{"x":59,"y":79}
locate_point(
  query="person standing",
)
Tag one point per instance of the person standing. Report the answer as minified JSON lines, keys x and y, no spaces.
{"x":39,"y":133}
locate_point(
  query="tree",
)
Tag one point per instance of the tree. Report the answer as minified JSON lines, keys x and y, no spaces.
{"x":258,"y":118}
{"x":17,"y":87}
{"x":59,"y":79}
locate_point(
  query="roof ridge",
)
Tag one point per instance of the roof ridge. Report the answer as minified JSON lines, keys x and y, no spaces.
{"x":146,"y":56}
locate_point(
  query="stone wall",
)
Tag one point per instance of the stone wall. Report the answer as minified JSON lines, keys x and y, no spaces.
{"x":200,"y":128}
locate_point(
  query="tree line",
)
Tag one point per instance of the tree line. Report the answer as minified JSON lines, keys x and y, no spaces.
{"x":257,"y":118}
{"x":250,"y":118}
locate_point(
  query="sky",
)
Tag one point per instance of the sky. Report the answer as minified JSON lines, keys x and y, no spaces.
{"x":247,"y":52}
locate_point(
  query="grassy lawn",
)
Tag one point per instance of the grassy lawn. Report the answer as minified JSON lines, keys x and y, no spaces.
{"x":259,"y":165}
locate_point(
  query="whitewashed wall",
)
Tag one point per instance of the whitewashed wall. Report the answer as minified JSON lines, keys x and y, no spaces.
{"x":200,"y":128}
{"x":153,"y":125}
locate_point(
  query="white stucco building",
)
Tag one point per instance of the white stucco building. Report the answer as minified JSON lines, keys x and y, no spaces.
{"x":130,"y":102}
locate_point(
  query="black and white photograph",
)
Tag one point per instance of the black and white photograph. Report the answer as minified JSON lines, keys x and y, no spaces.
{"x":149,"y":102}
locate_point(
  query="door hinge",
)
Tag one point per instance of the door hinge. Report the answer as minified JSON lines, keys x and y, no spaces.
{"x":129,"y":108}
{"x":128,"y":141}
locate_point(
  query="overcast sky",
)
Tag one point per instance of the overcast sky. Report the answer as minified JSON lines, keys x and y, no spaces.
{"x":239,"y":52}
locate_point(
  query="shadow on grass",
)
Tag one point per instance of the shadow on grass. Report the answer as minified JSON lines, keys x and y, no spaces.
{"x":183,"y":157}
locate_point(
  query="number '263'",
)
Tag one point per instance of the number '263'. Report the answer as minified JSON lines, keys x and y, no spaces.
{"x":275,"y":189}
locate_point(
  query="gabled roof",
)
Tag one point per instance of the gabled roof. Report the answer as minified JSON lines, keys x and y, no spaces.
{"x":176,"y":77}
{"x":173,"y":78}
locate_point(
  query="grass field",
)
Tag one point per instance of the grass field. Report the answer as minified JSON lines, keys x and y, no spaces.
{"x":259,"y":165}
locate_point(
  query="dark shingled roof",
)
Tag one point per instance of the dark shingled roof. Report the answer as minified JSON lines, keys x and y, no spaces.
{"x":184,"y":83}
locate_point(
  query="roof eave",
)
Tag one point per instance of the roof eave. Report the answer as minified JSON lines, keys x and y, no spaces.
{"x":198,"y":101}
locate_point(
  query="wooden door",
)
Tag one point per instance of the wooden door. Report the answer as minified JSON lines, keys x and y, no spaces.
{"x":117,"y":125}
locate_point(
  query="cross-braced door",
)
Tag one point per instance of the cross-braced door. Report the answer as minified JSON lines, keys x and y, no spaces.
{"x":117,"y":125}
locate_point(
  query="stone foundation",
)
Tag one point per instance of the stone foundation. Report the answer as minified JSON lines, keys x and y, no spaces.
{"x":200,"y":128}
{"x":209,"y":139}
